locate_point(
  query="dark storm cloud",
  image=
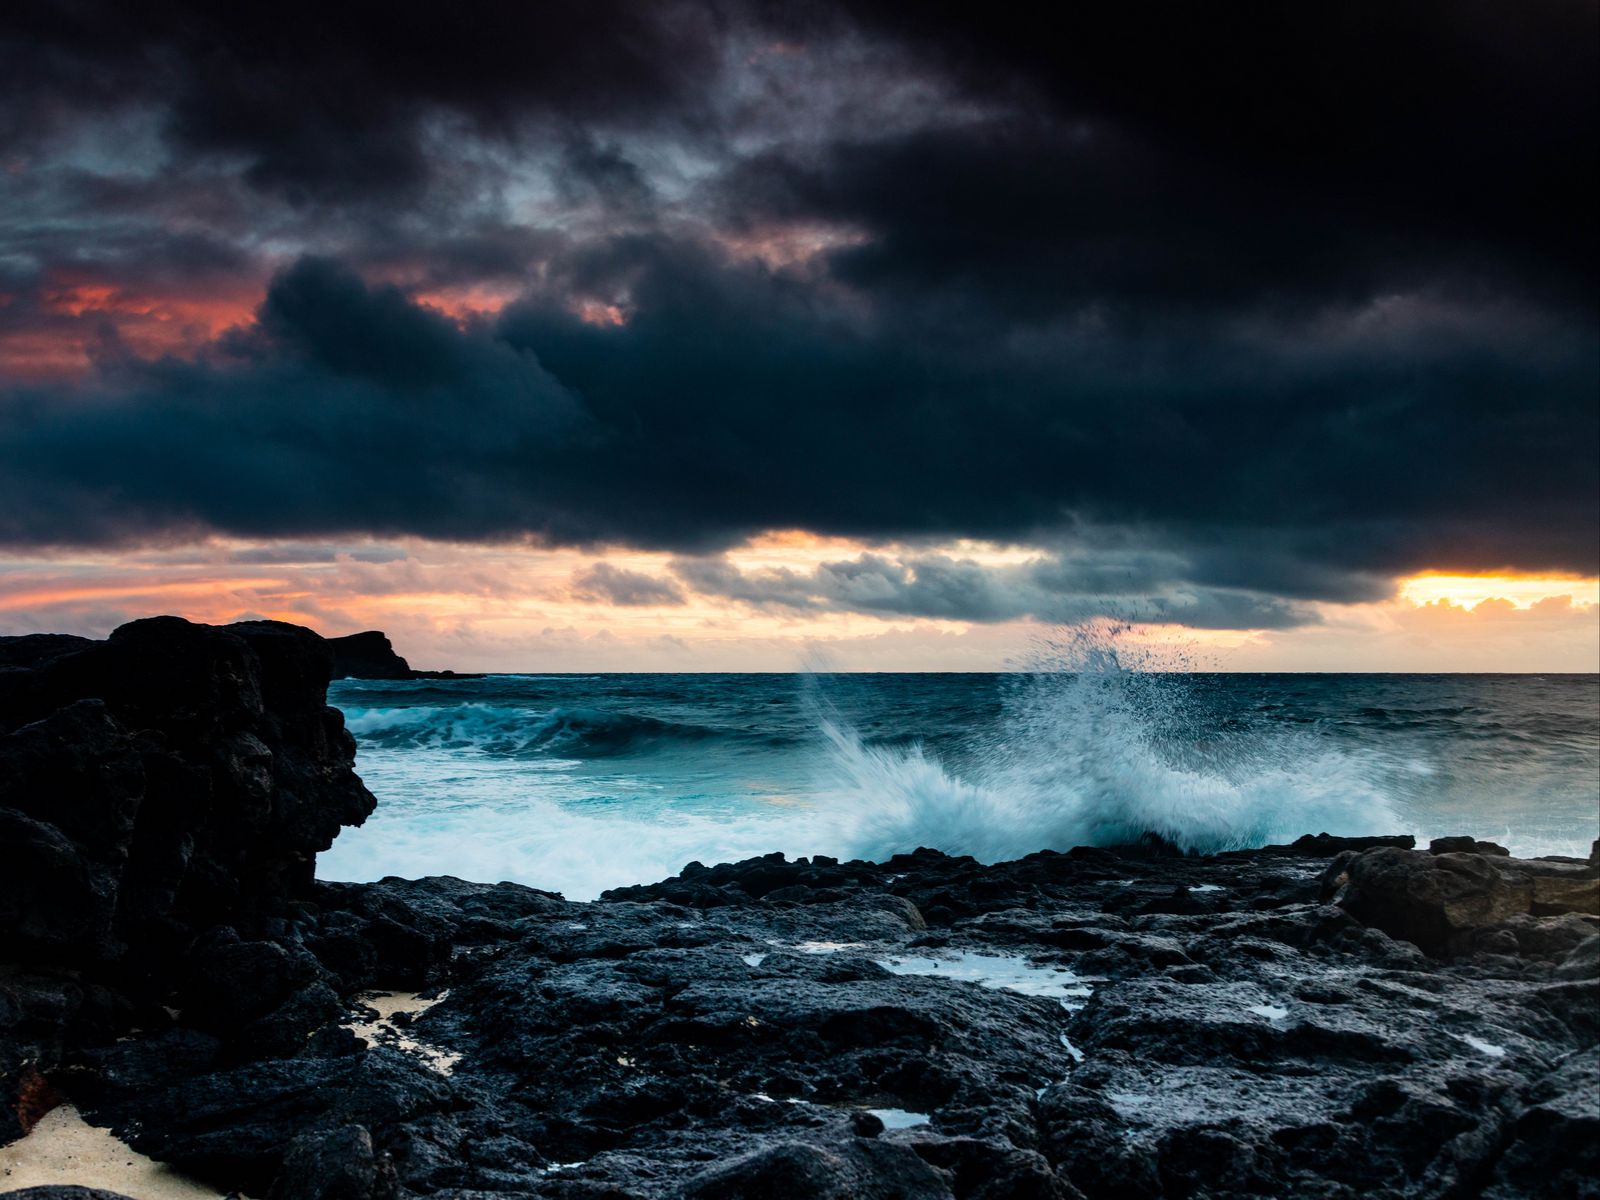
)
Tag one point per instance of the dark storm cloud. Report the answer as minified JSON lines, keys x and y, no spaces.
{"x":728,"y":404}
{"x":607,"y":584}
{"x":1225,"y":309}
{"x":752,"y":407}
{"x":345,"y":408}
{"x":1468,"y":123}
{"x":942,"y":587}
{"x":330,"y":102}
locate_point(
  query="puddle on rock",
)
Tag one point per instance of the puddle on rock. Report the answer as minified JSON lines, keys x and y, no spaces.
{"x":1483,"y":1047}
{"x":995,"y":971}
{"x":899,"y":1118}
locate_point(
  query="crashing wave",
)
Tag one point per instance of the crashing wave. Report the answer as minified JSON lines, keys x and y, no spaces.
{"x":1093,"y":750}
{"x":491,"y":729}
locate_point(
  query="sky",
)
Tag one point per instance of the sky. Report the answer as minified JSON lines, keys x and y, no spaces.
{"x":736,"y":335}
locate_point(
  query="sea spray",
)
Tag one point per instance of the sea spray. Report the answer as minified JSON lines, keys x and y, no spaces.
{"x":580,"y":783}
{"x":1092,"y":749}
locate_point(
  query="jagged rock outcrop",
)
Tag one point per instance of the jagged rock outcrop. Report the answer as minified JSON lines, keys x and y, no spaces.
{"x":168,"y":785}
{"x":166,"y":780}
{"x":368,"y":655}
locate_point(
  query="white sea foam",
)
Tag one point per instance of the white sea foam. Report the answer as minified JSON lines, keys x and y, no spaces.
{"x":478,"y":818}
{"x":1096,"y":752}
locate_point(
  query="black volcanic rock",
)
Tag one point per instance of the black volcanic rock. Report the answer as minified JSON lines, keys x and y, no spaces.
{"x":340,"y":1164}
{"x":795,"y":1028}
{"x":188,"y":773}
{"x":1327,"y":845}
{"x":170,"y":781}
{"x":1466,"y":845}
{"x":854,"y":1170}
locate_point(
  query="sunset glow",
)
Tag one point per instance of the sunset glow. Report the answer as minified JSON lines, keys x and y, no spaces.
{"x":819,"y":339}
{"x":532,"y":501}
{"x":1468,"y":591}
{"x":529,"y":608}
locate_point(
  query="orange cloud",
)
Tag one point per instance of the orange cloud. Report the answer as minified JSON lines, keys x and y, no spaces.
{"x":597,"y":312}
{"x":1520,"y":591}
{"x":469,"y":302}
{"x":75,"y":308}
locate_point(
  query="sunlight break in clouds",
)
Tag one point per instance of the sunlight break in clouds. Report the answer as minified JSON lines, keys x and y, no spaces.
{"x":524,"y":608}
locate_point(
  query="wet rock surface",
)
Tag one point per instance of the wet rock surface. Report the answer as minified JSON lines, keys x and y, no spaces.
{"x":1336,"y":1017}
{"x":1097,"y":1023}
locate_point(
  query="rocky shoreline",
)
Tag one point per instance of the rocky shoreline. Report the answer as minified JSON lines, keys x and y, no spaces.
{"x":1337,"y":1017}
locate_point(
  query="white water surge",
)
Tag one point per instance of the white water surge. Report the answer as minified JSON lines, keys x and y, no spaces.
{"x":578,"y":784}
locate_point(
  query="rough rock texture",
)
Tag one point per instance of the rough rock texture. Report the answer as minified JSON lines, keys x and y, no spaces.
{"x":1446,"y":900}
{"x":162,"y":793}
{"x":1098,"y":1023}
{"x":1465,"y":845}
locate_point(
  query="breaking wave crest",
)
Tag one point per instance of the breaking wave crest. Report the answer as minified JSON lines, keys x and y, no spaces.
{"x":490,"y":729}
{"x":1093,"y":750}
{"x":1098,"y":743}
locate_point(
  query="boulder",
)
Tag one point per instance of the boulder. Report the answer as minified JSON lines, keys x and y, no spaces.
{"x":1433,"y":901}
{"x":339,"y":1164}
{"x":1556,"y":895}
{"x":1465,"y":845}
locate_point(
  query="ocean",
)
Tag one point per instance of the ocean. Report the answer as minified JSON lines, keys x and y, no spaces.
{"x":577,"y":783}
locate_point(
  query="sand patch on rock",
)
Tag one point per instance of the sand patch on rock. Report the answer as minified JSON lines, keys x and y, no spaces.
{"x":63,"y":1148}
{"x":383,"y":1029}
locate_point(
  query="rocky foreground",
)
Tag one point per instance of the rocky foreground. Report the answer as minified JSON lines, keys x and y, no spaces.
{"x":1338,"y":1017}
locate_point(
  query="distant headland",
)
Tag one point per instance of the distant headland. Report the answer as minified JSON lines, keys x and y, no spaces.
{"x":370,"y":655}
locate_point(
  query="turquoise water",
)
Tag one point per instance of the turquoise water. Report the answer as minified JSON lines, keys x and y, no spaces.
{"x":582,"y":782}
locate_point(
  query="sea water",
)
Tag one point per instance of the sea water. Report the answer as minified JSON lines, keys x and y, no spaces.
{"x":577,"y":783}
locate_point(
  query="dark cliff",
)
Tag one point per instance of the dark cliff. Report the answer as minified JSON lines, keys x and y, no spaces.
{"x":163,"y":796}
{"x":167,"y":779}
{"x":368,"y":655}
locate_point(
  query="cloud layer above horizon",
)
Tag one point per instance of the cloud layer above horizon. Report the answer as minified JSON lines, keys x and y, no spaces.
{"x":1222,"y":314}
